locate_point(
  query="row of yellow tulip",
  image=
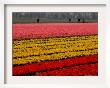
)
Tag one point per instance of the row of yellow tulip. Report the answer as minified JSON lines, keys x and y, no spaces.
{"x":52,"y":41}
{"x":30,"y":48}
{"x":27,"y":51}
{"x":53,"y":49}
{"x":54,"y":56}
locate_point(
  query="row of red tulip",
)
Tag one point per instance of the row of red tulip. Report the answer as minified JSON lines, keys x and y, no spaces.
{"x":48,"y":65}
{"x":83,"y":70}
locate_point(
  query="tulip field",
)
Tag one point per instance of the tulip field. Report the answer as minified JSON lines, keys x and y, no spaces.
{"x":55,"y":49}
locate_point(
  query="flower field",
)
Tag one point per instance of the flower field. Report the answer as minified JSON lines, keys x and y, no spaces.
{"x":47,"y":30}
{"x":82,"y":70}
{"x":52,"y":65}
{"x":55,"y":49}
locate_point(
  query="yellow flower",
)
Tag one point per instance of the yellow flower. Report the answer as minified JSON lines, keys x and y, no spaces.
{"x":35,"y":50}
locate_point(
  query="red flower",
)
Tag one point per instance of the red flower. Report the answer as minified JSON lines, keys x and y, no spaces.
{"x":52,"y":65}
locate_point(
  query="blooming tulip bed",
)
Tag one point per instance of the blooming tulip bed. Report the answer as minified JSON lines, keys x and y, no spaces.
{"x":55,"y":49}
{"x":87,"y":69}
{"x":47,"y":30}
{"x":52,"y":65}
